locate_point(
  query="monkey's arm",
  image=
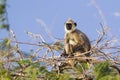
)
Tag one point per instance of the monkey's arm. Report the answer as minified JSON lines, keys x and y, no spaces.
{"x":66,"y":39}
{"x":66,"y":46}
{"x":79,"y":40}
{"x":84,"y":42}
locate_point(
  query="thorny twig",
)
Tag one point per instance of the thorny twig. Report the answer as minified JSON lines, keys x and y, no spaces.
{"x":16,"y":44}
{"x":36,"y":37}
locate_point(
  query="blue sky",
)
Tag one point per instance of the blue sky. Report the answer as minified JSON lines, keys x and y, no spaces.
{"x":31,"y":15}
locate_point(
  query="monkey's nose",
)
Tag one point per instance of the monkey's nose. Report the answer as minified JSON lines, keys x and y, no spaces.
{"x":68,"y":28}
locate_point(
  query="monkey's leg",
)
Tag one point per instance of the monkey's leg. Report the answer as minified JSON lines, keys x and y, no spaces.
{"x":69,"y":49}
{"x":71,"y":52}
{"x":66,"y":50}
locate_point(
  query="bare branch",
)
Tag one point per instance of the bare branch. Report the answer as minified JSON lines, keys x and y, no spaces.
{"x":16,"y":44}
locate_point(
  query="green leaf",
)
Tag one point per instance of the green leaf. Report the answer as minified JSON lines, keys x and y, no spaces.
{"x":2,"y":7}
{"x":2,"y":19}
{"x":82,"y":66}
{"x":51,"y":75}
{"x":110,"y":77}
{"x":3,"y":26}
{"x":64,"y":77}
{"x":102,"y":70}
{"x":5,"y":44}
{"x":4,"y":74}
{"x":27,"y":61}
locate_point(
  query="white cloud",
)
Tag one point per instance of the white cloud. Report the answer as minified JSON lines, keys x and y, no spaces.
{"x":116,"y":14}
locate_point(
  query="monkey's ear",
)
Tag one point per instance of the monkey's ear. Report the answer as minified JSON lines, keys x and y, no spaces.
{"x":75,"y":24}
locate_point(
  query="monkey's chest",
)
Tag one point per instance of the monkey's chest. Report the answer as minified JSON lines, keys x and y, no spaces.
{"x":71,"y":39}
{"x":72,"y":42}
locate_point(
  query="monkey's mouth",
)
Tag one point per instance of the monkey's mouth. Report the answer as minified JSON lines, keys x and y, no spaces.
{"x":69,"y":26}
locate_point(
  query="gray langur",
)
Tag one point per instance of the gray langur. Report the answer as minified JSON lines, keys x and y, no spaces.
{"x":75,"y":40}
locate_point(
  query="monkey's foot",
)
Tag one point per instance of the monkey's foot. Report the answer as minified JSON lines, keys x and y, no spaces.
{"x":64,"y":55}
{"x":70,"y":55}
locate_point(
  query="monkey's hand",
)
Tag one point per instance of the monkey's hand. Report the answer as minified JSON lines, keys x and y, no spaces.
{"x":64,"y":54}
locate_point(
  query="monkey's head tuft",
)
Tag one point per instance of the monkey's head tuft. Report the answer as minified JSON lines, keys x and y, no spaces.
{"x":70,"y":25}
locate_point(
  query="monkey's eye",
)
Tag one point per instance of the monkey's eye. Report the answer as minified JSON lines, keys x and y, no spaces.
{"x":69,"y":26}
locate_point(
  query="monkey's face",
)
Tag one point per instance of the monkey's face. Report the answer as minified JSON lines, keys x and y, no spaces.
{"x":69,"y":27}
